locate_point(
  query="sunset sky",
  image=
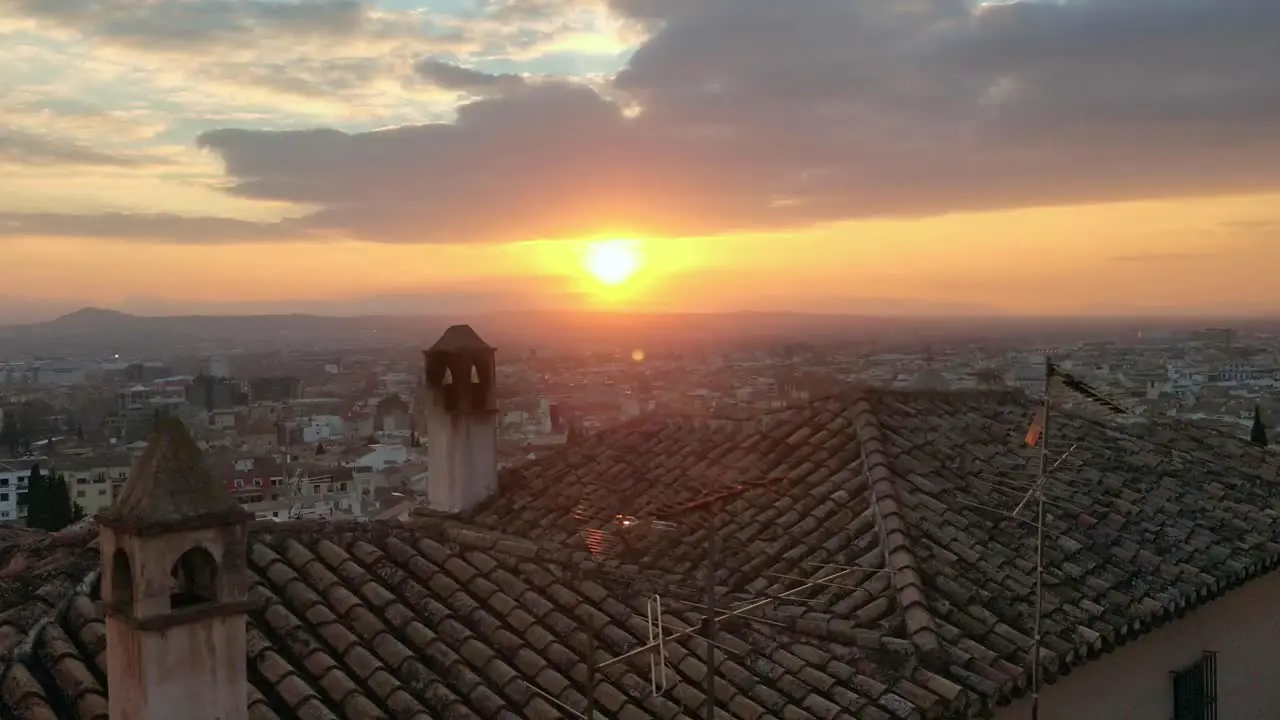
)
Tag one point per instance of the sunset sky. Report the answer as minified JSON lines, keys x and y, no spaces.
{"x":455,"y":156}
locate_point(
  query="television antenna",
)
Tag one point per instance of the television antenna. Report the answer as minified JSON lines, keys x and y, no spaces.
{"x":1037,"y":435}
{"x":602,"y":541}
{"x":1036,"y":493}
{"x":605,"y":542}
{"x":659,"y":632}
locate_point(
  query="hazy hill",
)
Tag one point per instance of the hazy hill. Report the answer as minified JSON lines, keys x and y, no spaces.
{"x":99,"y":330}
{"x":96,"y":330}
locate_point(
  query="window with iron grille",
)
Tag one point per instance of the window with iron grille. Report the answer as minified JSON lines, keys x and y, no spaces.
{"x":1195,"y":690}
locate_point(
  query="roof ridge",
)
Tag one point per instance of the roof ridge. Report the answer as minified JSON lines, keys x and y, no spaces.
{"x":899,"y":558}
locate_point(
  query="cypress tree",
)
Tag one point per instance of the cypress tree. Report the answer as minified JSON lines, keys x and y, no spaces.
{"x":1258,"y":433}
{"x":9,"y":438}
{"x":64,"y":510}
{"x":38,"y":500}
{"x":49,"y":503}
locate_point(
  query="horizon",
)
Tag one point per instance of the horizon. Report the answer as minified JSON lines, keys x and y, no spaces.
{"x":1033,"y":158}
{"x":449,"y":318}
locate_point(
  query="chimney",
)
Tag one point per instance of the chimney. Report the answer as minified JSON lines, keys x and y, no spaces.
{"x":175,"y":586}
{"x":461,"y":421}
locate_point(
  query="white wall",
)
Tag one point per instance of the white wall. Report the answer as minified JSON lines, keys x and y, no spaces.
{"x":463,"y":458}
{"x":322,"y":427}
{"x":1134,"y":682}
{"x":384,"y":456}
{"x":11,"y":483}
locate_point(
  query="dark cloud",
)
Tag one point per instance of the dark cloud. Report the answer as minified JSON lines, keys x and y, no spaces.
{"x":23,"y":148}
{"x":759,"y":114}
{"x":454,"y":77}
{"x":157,"y":228}
{"x":756,"y":114}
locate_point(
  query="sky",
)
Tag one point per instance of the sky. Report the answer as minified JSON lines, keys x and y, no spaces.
{"x":1081,"y":157}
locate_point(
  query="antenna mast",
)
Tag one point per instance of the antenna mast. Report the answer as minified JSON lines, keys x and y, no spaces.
{"x":1039,"y":490}
{"x":709,"y":622}
{"x":1039,"y":433}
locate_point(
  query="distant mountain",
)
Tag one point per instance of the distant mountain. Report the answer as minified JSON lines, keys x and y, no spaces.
{"x":97,"y":330}
{"x":100,"y":331}
{"x":88,"y":319}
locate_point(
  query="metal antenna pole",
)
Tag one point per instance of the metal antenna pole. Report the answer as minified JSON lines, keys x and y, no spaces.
{"x":709,"y":623}
{"x":1044,"y":469}
{"x":592,"y":669}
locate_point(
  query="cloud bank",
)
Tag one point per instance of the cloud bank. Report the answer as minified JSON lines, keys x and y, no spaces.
{"x":738,"y":115}
{"x":18,"y":147}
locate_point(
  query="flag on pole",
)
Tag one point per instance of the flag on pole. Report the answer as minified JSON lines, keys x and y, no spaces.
{"x":1037,"y":428}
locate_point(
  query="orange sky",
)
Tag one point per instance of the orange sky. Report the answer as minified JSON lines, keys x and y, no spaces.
{"x":1130,"y":257}
{"x":571,"y":122}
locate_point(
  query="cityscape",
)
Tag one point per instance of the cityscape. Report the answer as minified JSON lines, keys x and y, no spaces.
{"x":343,"y":434}
{"x":639,"y":360}
{"x":416,"y":438}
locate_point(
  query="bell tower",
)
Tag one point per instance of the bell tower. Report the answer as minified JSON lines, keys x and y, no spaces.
{"x":175,"y":585}
{"x":462,"y":421}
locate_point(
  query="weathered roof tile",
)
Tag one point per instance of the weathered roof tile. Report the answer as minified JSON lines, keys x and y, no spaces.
{"x":491,"y":617}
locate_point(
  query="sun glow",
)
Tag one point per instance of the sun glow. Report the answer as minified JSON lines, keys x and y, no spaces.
{"x":613,"y":262}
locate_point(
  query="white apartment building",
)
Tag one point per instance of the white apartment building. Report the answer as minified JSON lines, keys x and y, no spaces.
{"x":322,"y":427}
{"x":379,"y":457}
{"x":14,"y":475}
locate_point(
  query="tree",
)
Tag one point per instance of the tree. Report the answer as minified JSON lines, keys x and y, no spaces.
{"x":49,"y":504}
{"x":38,"y":499}
{"x":67,"y":511}
{"x":1258,"y":433}
{"x":9,"y":438}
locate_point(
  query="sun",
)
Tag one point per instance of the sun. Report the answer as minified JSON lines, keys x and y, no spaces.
{"x":613,"y":262}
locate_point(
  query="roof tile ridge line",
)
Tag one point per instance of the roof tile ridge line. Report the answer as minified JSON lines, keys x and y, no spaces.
{"x":22,"y":653}
{"x":891,"y":522}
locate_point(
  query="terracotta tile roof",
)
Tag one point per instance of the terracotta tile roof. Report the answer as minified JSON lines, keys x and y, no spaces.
{"x":443,"y":621}
{"x":454,"y":619}
{"x":38,"y":571}
{"x":1143,"y":522}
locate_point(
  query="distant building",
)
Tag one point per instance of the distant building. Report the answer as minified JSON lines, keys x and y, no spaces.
{"x":220,"y":366}
{"x":215,"y":393}
{"x":14,"y":475}
{"x":142,"y":372}
{"x":392,"y":415}
{"x":281,"y":388}
{"x":1214,"y":336}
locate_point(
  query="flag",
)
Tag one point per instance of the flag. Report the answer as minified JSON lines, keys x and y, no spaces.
{"x":1037,"y":428}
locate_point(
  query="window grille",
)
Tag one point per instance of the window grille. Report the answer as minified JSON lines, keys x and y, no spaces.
{"x":1195,"y":690}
